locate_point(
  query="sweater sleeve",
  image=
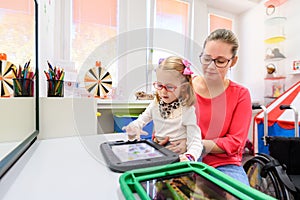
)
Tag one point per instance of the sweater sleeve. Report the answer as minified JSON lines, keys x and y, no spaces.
{"x":145,"y":117}
{"x":234,"y":141}
{"x":194,"y":140}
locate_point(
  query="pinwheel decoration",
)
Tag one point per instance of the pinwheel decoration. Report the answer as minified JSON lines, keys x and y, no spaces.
{"x":7,"y":74}
{"x":98,"y":81}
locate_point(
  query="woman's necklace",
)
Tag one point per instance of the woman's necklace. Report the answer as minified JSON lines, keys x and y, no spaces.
{"x":166,"y":109}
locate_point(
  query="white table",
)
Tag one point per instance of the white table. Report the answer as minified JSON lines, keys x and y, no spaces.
{"x":6,"y":147}
{"x":65,"y":168}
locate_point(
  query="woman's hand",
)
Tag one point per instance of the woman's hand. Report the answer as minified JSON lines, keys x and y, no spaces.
{"x":178,"y":146}
{"x":163,"y":142}
{"x":210,"y":146}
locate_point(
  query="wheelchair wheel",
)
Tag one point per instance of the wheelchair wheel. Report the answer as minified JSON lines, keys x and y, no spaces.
{"x":268,"y":182}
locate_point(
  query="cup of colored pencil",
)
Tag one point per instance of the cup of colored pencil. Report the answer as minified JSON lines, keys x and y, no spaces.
{"x":23,"y":83}
{"x":55,"y":81}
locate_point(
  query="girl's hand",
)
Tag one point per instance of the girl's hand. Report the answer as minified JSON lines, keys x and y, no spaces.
{"x":187,"y":157}
{"x":133,"y":132}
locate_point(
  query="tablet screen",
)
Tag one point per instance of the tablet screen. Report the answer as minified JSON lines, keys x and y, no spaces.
{"x":185,"y":186}
{"x":135,"y":151}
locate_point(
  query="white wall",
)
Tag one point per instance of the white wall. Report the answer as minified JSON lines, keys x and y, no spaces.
{"x":16,"y":119}
{"x":291,"y":10}
{"x":250,"y":69}
{"x":64,"y":117}
{"x":249,"y":28}
{"x":200,"y":22}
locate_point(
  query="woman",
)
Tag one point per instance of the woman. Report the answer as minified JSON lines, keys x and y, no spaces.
{"x":223,"y":107}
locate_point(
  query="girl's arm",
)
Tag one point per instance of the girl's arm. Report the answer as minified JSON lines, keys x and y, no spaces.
{"x":134,"y":128}
{"x":194,"y":140}
{"x":145,"y":117}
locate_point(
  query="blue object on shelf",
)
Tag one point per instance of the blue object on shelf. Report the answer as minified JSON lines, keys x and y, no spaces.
{"x":274,"y":130}
{"x":121,"y":120}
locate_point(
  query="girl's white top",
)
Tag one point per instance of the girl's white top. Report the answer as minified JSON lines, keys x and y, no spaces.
{"x":181,"y":124}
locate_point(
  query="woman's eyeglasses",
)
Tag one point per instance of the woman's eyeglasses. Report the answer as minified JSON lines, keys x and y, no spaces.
{"x":220,"y":62}
{"x":169,"y":87}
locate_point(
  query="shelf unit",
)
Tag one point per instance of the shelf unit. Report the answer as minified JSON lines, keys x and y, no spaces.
{"x":295,"y":73}
{"x":273,"y":59}
{"x":108,"y":108}
{"x":275,"y":39}
{"x":274,"y":55}
{"x":274,"y":87}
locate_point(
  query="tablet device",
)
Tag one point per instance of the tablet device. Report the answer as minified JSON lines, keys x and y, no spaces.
{"x":185,"y":180}
{"x":186,"y":186}
{"x":122,"y":156}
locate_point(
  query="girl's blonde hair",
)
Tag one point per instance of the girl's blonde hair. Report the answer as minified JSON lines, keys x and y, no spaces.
{"x":178,"y":64}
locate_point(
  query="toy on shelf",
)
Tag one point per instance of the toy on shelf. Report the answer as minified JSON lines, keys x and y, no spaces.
{"x":141,"y":95}
{"x":274,"y":3}
{"x":274,"y":55}
{"x":98,"y":81}
{"x":296,"y":66}
{"x":3,"y":56}
{"x":271,"y":6}
{"x":274,"y":23}
{"x":271,"y":70}
{"x":274,"y":86}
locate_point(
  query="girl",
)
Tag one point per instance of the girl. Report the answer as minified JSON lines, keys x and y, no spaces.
{"x":172,"y":111}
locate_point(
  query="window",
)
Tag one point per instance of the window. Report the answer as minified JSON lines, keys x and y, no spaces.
{"x":17,"y":27}
{"x":216,"y":22}
{"x":17,"y":39}
{"x":94,"y":21}
{"x":172,"y":15}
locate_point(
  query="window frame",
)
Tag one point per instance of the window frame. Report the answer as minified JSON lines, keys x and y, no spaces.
{"x":222,"y":15}
{"x":63,"y":43}
{"x":151,"y":16}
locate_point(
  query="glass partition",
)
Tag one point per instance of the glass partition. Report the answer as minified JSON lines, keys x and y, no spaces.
{"x":19,"y":110}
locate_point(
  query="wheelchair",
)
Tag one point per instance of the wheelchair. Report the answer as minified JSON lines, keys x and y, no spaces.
{"x":277,"y":174}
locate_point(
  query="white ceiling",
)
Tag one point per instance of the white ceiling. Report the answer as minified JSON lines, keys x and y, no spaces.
{"x":232,"y":6}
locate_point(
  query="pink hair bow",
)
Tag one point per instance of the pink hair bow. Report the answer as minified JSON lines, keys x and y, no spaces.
{"x":187,"y":70}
